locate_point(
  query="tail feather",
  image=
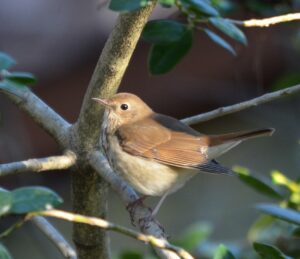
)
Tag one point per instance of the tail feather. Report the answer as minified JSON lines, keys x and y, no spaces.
{"x":239,"y":136}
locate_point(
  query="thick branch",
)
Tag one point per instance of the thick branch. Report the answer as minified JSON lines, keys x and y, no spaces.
{"x":55,"y":237}
{"x":39,"y":164}
{"x":141,"y":215}
{"x":266,"y":22}
{"x":39,"y":111}
{"x":241,"y":106}
{"x":156,"y":242}
{"x":110,"y":69}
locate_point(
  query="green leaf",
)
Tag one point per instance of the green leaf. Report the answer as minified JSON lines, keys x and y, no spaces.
{"x":22,"y":78}
{"x":287,"y":80}
{"x":259,"y":226}
{"x":164,"y":57}
{"x":4,"y":254}
{"x":269,"y":252}
{"x":28,"y":199}
{"x":223,"y":253}
{"x":167,"y":3}
{"x":288,"y":215}
{"x":279,"y":178}
{"x":5,"y":202}
{"x":194,"y":235}
{"x":229,"y":29}
{"x":127,"y":5}
{"x":218,"y":40}
{"x":201,"y":7}
{"x":255,"y":183}
{"x":163,"y":31}
{"x":296,"y":232}
{"x":131,"y":254}
{"x":6,"y":61}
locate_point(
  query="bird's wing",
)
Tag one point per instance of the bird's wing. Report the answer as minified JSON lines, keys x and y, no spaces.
{"x":168,"y":141}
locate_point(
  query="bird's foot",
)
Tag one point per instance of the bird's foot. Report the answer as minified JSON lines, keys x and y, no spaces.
{"x":131,"y":207}
{"x":144,"y":222}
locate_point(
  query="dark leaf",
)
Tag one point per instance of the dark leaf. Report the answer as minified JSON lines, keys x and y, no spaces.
{"x":288,"y":215}
{"x":296,"y":232}
{"x":5,"y":202}
{"x":218,"y":40}
{"x":269,"y":252}
{"x":127,"y":6}
{"x":229,"y":28}
{"x":255,"y":183}
{"x":28,"y":199}
{"x":163,"y":31}
{"x":22,"y":78}
{"x":163,"y":57}
{"x":6,"y":61}
{"x":167,"y":3}
{"x":223,"y":253}
{"x":285,"y":81}
{"x":194,"y":235}
{"x":201,"y":7}
{"x":130,"y":254}
{"x":4,"y":254}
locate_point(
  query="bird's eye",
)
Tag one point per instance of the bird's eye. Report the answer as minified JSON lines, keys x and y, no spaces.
{"x":124,"y":106}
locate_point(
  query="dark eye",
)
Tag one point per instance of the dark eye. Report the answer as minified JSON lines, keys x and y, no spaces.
{"x":124,"y":106}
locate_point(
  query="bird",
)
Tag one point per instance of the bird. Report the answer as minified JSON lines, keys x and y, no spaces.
{"x":157,"y":154}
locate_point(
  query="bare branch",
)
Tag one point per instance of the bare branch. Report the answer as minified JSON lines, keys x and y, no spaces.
{"x":241,"y":106}
{"x":156,"y":242}
{"x":55,"y":237}
{"x":141,"y":215}
{"x":266,"y":22}
{"x":39,"y":111}
{"x":39,"y":164}
{"x":110,"y":69}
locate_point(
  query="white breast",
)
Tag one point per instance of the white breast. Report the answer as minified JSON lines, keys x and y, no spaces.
{"x":146,"y":176}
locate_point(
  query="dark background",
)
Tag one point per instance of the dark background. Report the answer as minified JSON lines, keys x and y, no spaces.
{"x":60,"y":41}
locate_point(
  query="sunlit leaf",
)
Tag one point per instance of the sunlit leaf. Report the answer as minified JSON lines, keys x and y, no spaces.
{"x":259,"y":226}
{"x":5,"y":202}
{"x":201,"y":7}
{"x":255,"y":183}
{"x":127,"y":6}
{"x":22,"y":78}
{"x":222,"y":252}
{"x":6,"y":61}
{"x":218,"y":40}
{"x":163,"y":31}
{"x":167,"y":3}
{"x":194,"y":235}
{"x":28,"y":199}
{"x":269,"y":252}
{"x":4,"y":254}
{"x":164,"y":57}
{"x":229,"y":28}
{"x":280,"y":179}
{"x":288,"y":215}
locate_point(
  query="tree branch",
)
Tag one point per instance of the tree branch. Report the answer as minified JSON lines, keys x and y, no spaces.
{"x":241,"y":106}
{"x":39,"y":164}
{"x":39,"y":111}
{"x":55,"y":237}
{"x":140,"y":215}
{"x":155,"y":242}
{"x":110,"y":69}
{"x":266,"y":22}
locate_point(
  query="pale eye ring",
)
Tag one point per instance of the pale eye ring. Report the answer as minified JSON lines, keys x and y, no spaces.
{"x":124,"y":106}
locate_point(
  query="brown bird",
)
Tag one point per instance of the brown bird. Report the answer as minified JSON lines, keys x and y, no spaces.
{"x":157,"y":154}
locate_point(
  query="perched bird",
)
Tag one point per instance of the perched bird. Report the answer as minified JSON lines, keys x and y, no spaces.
{"x":157,"y":154}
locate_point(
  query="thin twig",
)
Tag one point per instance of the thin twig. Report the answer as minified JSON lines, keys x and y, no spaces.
{"x":241,"y":106}
{"x":39,"y":111}
{"x":39,"y":164}
{"x":157,"y":242}
{"x":140,"y":215}
{"x":266,"y":22}
{"x":55,"y":237}
{"x":12,"y":228}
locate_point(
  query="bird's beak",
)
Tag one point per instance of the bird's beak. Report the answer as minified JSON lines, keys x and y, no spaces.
{"x":102,"y":102}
